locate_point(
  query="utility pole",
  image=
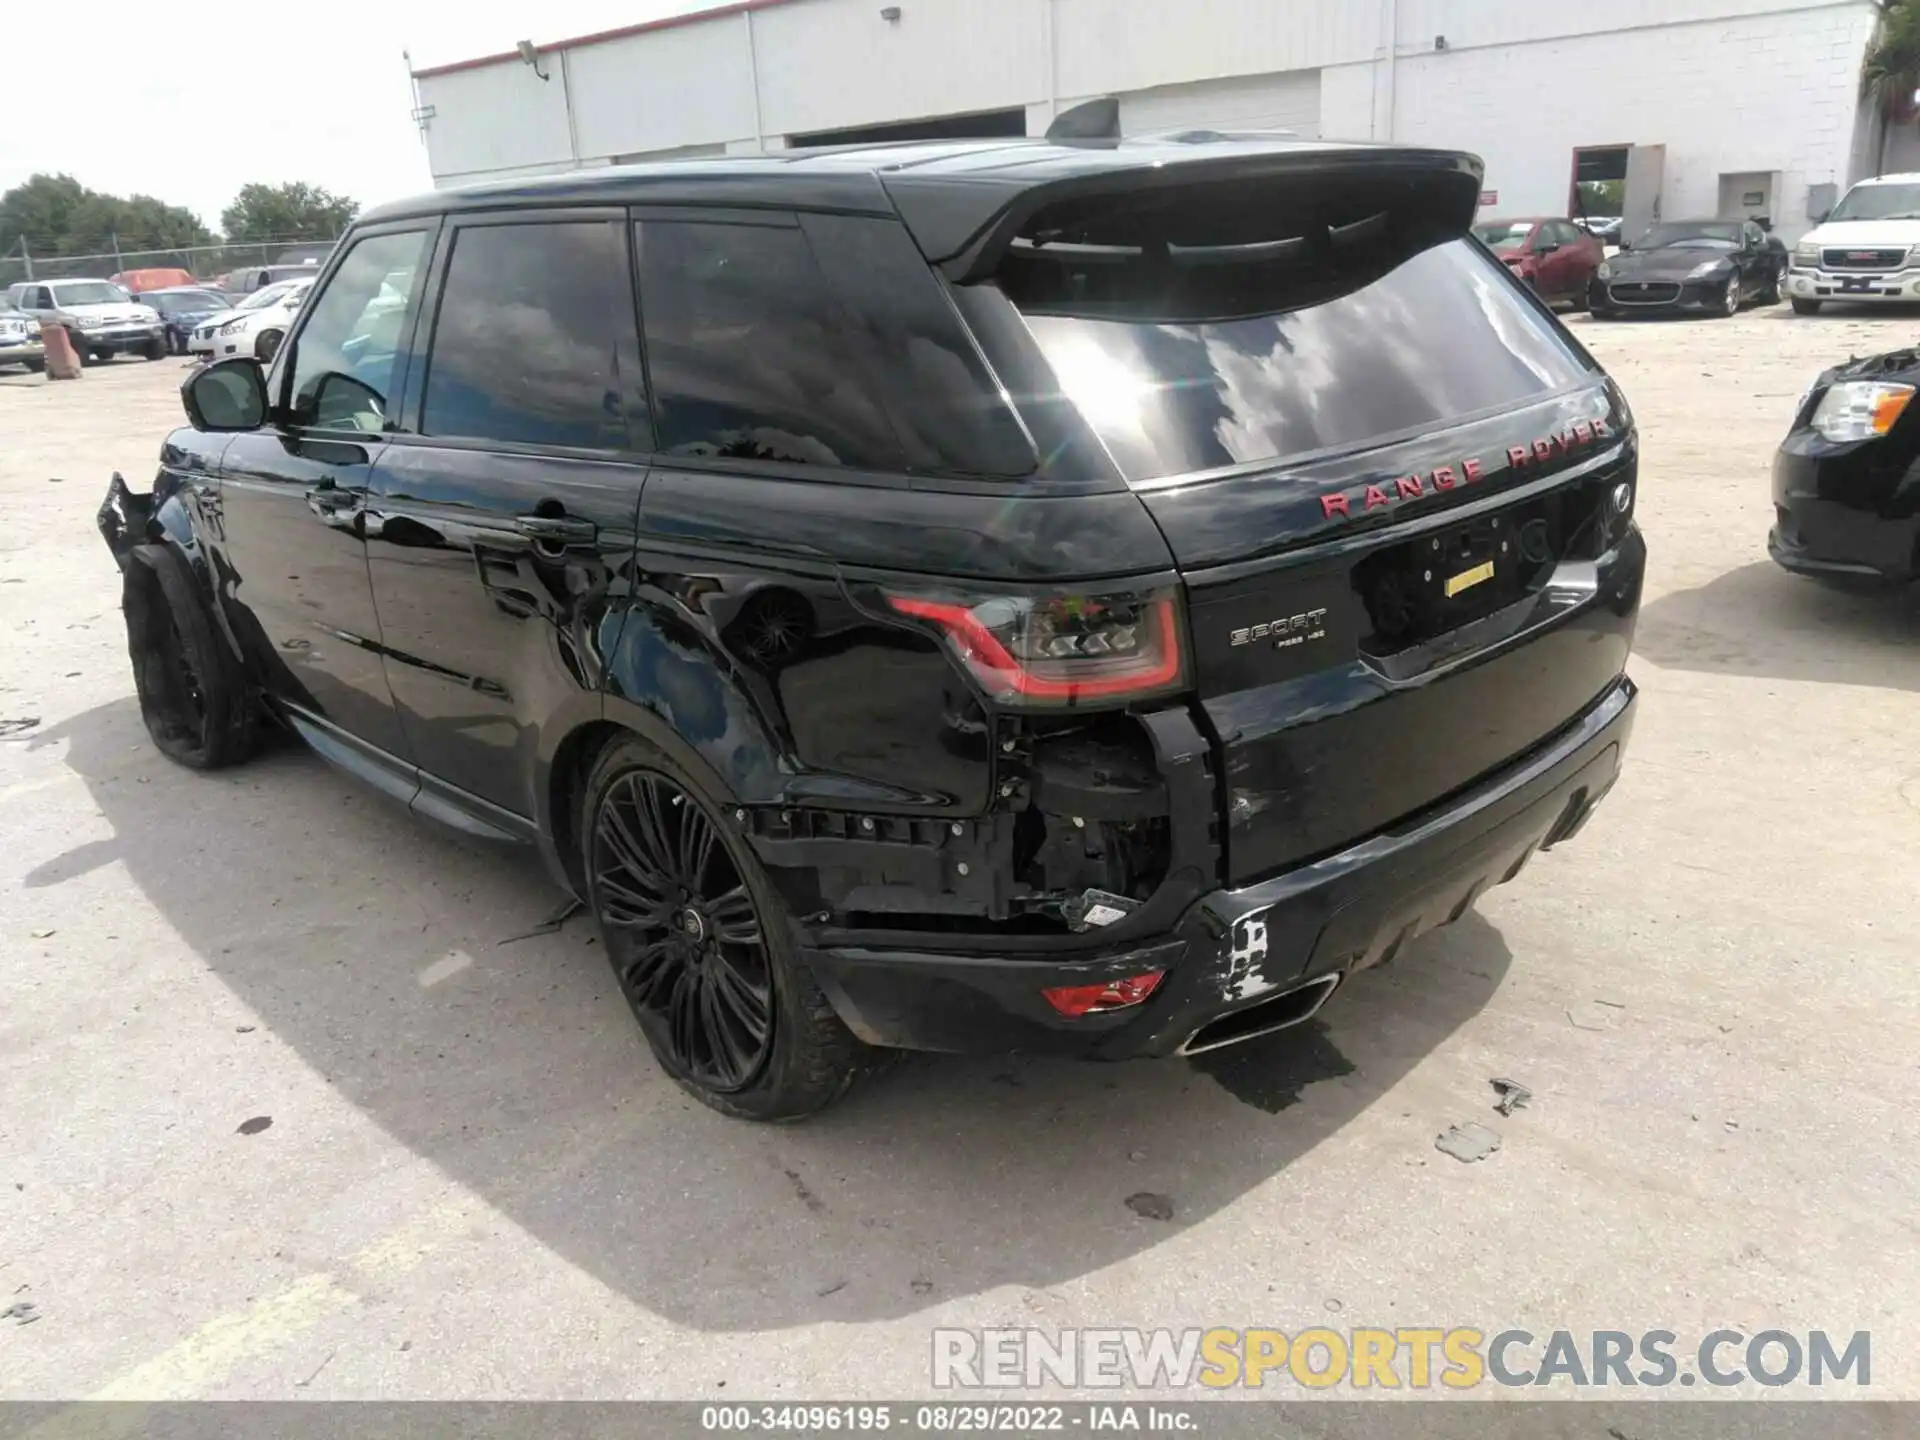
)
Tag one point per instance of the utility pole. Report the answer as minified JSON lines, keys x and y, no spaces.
{"x":118,"y":263}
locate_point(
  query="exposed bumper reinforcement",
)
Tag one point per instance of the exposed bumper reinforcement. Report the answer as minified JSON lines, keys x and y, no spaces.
{"x":1239,"y":950}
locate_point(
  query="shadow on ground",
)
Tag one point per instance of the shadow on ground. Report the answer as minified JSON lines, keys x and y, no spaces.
{"x":1761,"y":621}
{"x":373,"y":947}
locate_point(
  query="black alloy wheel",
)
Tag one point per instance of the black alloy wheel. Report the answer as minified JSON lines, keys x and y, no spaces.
{"x":193,"y":693}
{"x":700,"y":942}
{"x":691,"y":953}
{"x":1730,"y":302}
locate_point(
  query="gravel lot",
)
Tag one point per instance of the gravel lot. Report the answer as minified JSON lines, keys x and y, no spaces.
{"x":475,"y":1183}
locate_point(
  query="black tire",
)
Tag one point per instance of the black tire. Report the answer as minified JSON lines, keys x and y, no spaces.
{"x":1804,"y":307}
{"x":36,"y":364}
{"x":700,"y":947}
{"x":1771,"y":295}
{"x":80,"y":351}
{"x":193,"y":693}
{"x":158,"y":349}
{"x":267,"y":346}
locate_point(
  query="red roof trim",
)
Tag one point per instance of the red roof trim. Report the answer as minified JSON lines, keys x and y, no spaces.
{"x":670,"y":22}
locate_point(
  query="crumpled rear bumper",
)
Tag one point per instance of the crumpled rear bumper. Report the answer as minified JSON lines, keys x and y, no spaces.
{"x":1236,"y":951}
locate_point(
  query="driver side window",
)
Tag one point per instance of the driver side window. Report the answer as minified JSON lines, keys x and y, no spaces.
{"x":343,"y":363}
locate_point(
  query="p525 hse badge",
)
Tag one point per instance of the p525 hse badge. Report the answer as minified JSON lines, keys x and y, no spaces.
{"x":1285,"y":631}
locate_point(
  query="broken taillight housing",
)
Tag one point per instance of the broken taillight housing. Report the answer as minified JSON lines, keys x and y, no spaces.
{"x":1061,"y":650}
{"x":1073,"y":1001}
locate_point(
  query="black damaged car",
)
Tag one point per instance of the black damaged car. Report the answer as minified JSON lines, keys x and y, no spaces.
{"x":1690,"y":267}
{"x":1080,"y":598}
{"x":1846,"y":490}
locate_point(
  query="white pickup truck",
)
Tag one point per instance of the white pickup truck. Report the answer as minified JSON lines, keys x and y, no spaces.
{"x":1866,"y":250}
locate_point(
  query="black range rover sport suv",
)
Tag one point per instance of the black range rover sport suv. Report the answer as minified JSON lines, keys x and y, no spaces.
{"x":1085,"y":598}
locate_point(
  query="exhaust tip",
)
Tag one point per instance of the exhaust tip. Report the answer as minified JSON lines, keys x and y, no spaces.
{"x":1276,"y":1012}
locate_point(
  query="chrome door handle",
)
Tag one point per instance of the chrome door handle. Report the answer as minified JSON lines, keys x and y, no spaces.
{"x":557,"y":529}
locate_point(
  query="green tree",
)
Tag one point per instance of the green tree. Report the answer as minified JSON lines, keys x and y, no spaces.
{"x":287,"y":212}
{"x":1890,"y":73}
{"x":57,"y":215}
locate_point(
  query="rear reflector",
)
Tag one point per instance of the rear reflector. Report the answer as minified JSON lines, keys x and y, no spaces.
{"x":1073,"y":1001}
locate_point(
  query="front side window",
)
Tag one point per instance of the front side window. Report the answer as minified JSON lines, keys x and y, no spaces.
{"x":750,"y":352}
{"x":343,"y":361}
{"x":535,"y":343}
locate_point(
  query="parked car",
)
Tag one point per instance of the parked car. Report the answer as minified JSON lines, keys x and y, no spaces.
{"x":101,"y":319}
{"x":1846,"y":509}
{"x":1555,"y":258}
{"x":1710,"y":267}
{"x":20,"y":337}
{"x":1604,"y":228}
{"x":254,"y":327}
{"x":139,"y":282}
{"x":182,"y":311}
{"x":250,"y":278}
{"x":1015,"y":644}
{"x":1867,"y":249}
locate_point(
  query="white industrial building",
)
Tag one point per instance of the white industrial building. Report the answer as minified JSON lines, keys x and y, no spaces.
{"x":1724,"y":106}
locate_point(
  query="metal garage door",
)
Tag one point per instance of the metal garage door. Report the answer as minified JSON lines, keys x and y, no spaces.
{"x":1286,"y":101}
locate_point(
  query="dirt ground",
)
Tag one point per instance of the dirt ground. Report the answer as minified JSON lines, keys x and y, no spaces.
{"x":475,"y":1183}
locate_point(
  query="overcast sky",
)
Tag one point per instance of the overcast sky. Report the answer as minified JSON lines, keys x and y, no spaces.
{"x":188,"y":103}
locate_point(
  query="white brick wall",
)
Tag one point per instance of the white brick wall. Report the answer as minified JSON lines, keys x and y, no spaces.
{"x":1771,"y":92}
{"x":1726,"y":85}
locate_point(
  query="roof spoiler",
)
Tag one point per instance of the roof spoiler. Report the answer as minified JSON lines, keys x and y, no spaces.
{"x":967,"y":229}
{"x":1089,"y":120}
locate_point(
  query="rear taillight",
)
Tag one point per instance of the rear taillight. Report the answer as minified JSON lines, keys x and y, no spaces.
{"x":1060,"y":650}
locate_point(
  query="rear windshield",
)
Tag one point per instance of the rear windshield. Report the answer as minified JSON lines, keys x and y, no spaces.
{"x":1306,"y":354}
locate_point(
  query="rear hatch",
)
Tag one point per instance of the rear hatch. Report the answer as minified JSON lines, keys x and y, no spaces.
{"x":1388,"y":477}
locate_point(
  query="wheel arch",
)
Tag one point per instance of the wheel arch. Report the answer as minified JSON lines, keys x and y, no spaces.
{"x":561,"y":793}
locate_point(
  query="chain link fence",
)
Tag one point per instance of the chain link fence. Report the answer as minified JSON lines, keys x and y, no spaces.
{"x":203,"y":262}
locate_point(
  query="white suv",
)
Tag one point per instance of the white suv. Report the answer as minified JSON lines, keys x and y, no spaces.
{"x":101,"y":319}
{"x":1866,"y":249}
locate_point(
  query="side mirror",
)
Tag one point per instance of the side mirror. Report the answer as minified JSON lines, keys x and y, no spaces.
{"x":1546,"y":247}
{"x":227,"y":395}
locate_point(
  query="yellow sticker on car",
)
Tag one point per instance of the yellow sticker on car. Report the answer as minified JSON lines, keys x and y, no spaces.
{"x":1467,"y":579}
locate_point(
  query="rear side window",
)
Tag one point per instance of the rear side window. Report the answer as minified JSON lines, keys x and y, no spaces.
{"x":535,"y":343}
{"x":749,"y":353}
{"x":1223,"y":330}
